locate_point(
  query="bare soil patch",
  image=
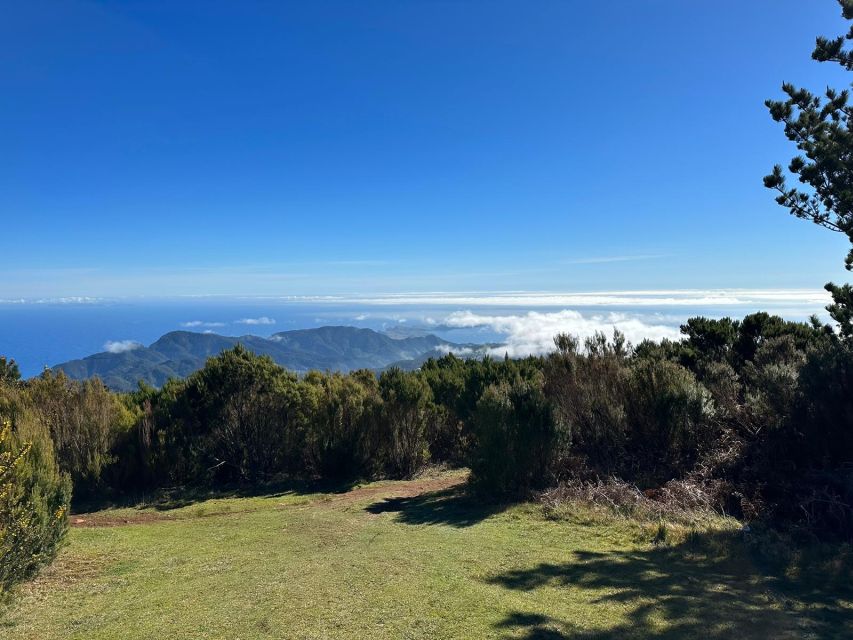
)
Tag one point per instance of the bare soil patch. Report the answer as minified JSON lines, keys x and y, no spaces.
{"x":402,"y":489}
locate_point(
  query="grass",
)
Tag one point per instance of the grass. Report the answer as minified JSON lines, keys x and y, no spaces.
{"x":414,"y":559}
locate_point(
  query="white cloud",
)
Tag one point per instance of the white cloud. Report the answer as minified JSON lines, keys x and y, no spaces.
{"x":646,"y":298}
{"x":361,"y":317}
{"x":120,"y":346}
{"x":201,"y":323}
{"x":70,"y":300}
{"x":263,"y":320}
{"x":65,"y":300}
{"x":533,"y":333}
{"x":458,"y":351}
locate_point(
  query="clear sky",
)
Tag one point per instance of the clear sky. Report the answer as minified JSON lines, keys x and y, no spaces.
{"x":174,"y":148}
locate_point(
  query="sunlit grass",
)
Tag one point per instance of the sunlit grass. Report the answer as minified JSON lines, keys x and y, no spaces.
{"x":373,"y":564}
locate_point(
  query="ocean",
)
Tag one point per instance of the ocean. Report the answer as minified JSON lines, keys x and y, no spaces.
{"x":40,"y":333}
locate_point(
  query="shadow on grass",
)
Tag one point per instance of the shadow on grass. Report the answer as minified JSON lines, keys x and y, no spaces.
{"x":533,"y":626}
{"x":706,"y":588}
{"x":170,"y":498}
{"x":456,"y":507}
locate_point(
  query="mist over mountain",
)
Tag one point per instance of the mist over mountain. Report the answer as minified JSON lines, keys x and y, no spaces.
{"x":180,"y":353}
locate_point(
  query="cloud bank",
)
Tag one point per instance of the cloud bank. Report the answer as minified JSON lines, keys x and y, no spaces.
{"x":120,"y":346}
{"x":192,"y":324}
{"x":48,"y":301}
{"x":263,"y":320}
{"x":646,"y":298}
{"x":533,"y":333}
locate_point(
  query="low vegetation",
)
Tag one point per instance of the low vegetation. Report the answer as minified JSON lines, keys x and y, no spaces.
{"x":34,"y":499}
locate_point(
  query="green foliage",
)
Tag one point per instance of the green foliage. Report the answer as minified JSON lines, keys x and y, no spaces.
{"x":516,"y":434}
{"x":669,"y":416}
{"x":822,"y":130}
{"x":645,"y":418}
{"x":820,"y":433}
{"x":34,"y":496}
{"x":231,"y":421}
{"x":340,"y":411}
{"x":85,"y":419}
{"x":450,"y":380}
{"x":841,"y":309}
{"x":406,"y":415}
{"x":587,"y":387}
{"x":9,"y":372}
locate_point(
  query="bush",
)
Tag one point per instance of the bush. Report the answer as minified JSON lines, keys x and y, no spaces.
{"x":84,"y":419}
{"x":821,"y":436}
{"x":34,"y":497}
{"x":516,"y":439}
{"x":405,"y":417}
{"x":451,"y":381}
{"x":668,"y":413}
{"x":233,"y":419}
{"x":587,"y":389}
{"x":643,"y":418}
{"x":339,"y":411}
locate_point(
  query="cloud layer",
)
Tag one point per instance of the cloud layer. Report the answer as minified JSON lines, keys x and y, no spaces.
{"x":120,"y":346}
{"x":533,"y":333}
{"x":657,"y":298}
{"x":263,"y":320}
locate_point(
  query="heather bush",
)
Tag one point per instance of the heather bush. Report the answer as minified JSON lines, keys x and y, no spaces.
{"x":34,"y":496}
{"x":406,"y":414}
{"x":516,"y":439}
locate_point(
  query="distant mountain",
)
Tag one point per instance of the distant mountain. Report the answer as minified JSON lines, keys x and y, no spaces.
{"x":179,"y":353}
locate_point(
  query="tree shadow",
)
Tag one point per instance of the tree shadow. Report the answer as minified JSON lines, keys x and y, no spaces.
{"x":704,"y":588}
{"x":455,"y":506}
{"x":169,"y":498}
{"x":533,"y":626}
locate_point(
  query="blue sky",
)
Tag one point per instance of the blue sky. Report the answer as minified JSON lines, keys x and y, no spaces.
{"x":175,"y":148}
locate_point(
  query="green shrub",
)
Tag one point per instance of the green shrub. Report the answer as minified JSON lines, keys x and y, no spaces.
{"x":338,"y":411}
{"x":669,"y":417}
{"x":516,"y":439}
{"x":405,"y":417}
{"x":233,"y":419}
{"x":34,"y":501}
{"x":587,"y":388}
{"x":85,"y":419}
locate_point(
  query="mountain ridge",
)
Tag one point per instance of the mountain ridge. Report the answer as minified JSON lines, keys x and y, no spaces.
{"x":177,"y":354}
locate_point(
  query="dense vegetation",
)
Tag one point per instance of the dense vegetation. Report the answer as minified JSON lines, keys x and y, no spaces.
{"x":756,"y":412}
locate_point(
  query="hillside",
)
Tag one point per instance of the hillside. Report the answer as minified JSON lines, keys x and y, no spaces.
{"x":179,"y":353}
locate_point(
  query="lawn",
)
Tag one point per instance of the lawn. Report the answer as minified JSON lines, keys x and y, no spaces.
{"x":417,"y":559}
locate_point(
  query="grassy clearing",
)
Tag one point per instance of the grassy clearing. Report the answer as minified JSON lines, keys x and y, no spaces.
{"x":406,"y":560}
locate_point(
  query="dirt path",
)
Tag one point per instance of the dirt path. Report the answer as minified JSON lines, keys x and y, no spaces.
{"x":399,"y":489}
{"x":396,"y":489}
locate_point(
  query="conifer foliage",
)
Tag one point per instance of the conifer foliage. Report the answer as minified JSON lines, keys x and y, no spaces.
{"x":822,"y":130}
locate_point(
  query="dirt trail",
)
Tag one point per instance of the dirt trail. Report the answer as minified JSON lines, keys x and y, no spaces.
{"x":400,"y":489}
{"x":397,"y":489}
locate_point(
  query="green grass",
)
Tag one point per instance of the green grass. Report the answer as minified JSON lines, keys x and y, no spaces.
{"x":437,"y":565}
